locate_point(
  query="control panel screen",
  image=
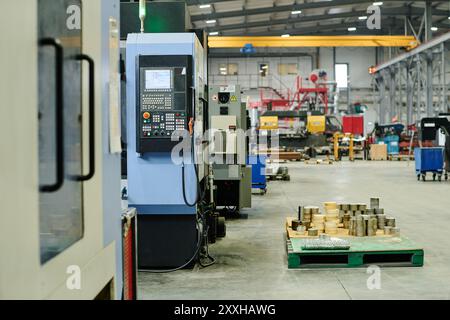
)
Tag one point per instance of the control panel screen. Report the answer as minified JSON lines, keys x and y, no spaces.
{"x":158,"y":79}
{"x":164,"y":100}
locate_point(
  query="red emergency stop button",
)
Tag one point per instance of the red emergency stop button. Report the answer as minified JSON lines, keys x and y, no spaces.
{"x":146,"y":115}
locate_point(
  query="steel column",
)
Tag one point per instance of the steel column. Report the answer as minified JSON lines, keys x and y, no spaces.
{"x":409,"y":96}
{"x":429,"y":84}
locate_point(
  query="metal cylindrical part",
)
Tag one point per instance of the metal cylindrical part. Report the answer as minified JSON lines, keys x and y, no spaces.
{"x":347,"y":218}
{"x":360,"y":227}
{"x":374,"y":203}
{"x":331,"y":227}
{"x":387,"y":230}
{"x":300,"y":213}
{"x":306,"y":224}
{"x":390,"y":222}
{"x":295,"y":224}
{"x":314,"y":210}
{"x":381,"y":221}
{"x":341,"y":216}
{"x":320,"y":226}
{"x":330,"y":206}
{"x":372,"y":227}
{"x":313,"y":232}
{"x":351,"y":225}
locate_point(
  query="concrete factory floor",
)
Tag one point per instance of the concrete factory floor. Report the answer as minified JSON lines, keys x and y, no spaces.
{"x":251,"y":260}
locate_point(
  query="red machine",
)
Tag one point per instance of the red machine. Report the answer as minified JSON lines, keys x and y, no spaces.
{"x":353,"y":124}
{"x":316,"y":94}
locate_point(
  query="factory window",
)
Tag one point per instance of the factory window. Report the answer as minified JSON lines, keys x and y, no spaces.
{"x":263,"y":69}
{"x":228,"y":69}
{"x":341,"y":74}
{"x":286,"y":69}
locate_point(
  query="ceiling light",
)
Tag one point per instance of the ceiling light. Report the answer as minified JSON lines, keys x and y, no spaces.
{"x":379,"y":3}
{"x":285,"y":35}
{"x":214,"y":33}
{"x":362,"y":18}
{"x":296,"y":12}
{"x":352,"y":29}
{"x":211,"y":21}
{"x":204,"y":6}
{"x":434,"y":29}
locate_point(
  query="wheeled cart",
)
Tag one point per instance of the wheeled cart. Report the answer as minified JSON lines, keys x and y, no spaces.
{"x":430,"y":160}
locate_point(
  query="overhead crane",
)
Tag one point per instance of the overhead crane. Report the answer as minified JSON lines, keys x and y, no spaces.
{"x":409,"y":42}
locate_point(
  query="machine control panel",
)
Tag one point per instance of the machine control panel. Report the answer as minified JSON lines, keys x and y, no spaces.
{"x":162,"y":124}
{"x":164,"y":100}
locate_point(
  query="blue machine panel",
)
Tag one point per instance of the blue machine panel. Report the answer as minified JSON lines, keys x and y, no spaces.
{"x":154,"y":180}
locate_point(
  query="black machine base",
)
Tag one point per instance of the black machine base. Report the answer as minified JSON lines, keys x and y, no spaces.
{"x":166,"y":241}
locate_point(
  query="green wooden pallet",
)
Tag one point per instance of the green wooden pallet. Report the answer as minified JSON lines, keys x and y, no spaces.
{"x":380,"y":251}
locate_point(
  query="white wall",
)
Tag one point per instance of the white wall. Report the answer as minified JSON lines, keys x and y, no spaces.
{"x":359,"y":60}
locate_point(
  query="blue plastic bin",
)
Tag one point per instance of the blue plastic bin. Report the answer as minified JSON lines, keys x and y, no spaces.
{"x":393,"y":144}
{"x":429,"y":160}
{"x":258,"y":164}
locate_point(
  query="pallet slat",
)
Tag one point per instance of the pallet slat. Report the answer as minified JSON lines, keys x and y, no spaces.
{"x":394,"y":251}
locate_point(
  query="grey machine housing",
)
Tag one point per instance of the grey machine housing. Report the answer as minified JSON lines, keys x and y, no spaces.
{"x":228,"y":123}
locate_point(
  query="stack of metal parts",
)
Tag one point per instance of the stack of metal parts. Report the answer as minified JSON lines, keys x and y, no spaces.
{"x":325,"y":242}
{"x":362,"y":221}
{"x":332,"y":218}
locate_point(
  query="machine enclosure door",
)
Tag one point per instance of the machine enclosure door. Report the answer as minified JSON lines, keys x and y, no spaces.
{"x":61,"y":211}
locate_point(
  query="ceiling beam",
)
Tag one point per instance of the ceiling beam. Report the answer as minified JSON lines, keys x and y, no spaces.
{"x":400,"y":11}
{"x":390,"y":22}
{"x":282,"y":8}
{"x":200,"y":2}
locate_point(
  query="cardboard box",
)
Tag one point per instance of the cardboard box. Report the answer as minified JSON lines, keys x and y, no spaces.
{"x":378,"y":152}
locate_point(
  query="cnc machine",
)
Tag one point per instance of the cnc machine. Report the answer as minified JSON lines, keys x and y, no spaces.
{"x":165,"y":107}
{"x":61,"y":232}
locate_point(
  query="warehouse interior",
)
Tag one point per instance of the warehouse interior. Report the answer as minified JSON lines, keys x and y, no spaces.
{"x":225,"y":150}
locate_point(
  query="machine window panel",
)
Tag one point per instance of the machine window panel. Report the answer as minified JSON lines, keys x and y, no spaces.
{"x":341,"y":74}
{"x":229,"y":69}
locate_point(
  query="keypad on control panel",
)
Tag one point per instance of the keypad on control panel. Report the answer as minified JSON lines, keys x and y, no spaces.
{"x":157,"y":101}
{"x":162,"y":124}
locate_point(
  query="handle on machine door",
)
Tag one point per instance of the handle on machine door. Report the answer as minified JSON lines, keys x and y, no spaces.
{"x":90,"y":61}
{"x":59,"y":118}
